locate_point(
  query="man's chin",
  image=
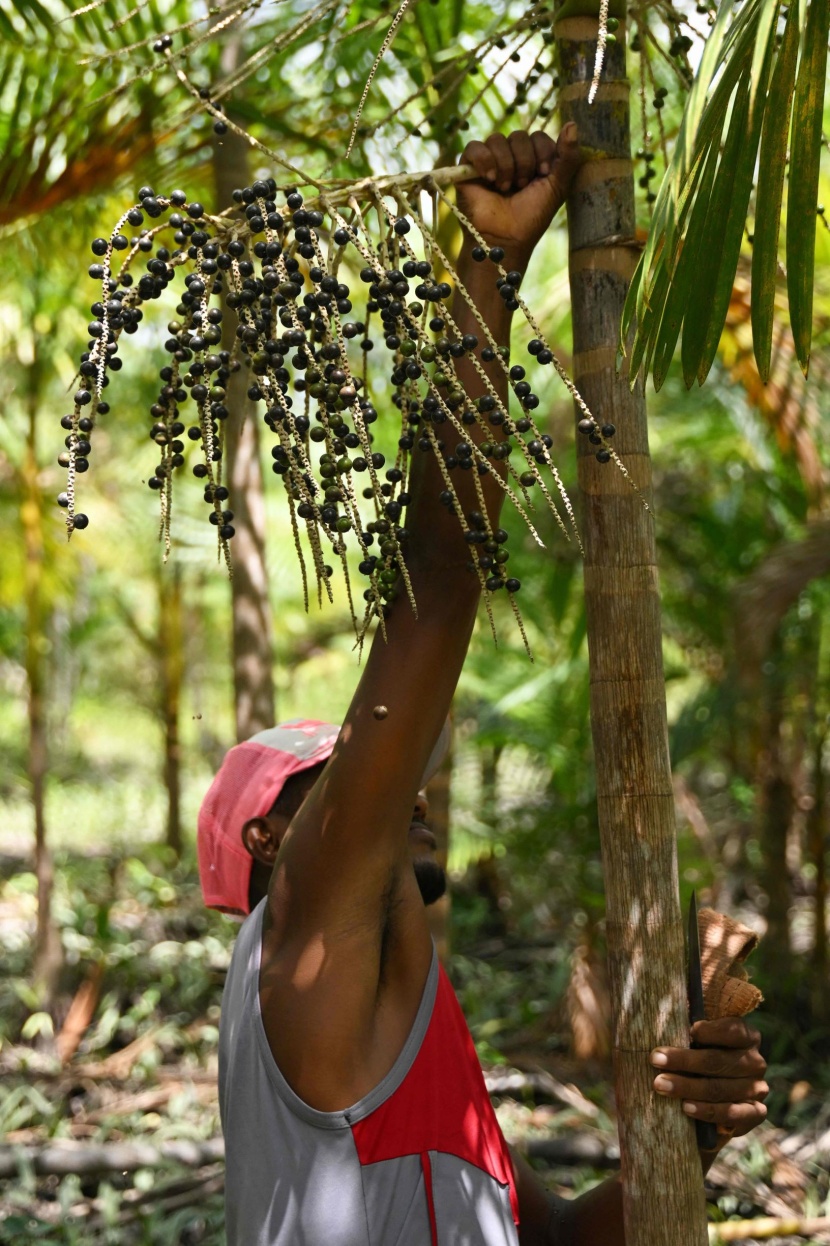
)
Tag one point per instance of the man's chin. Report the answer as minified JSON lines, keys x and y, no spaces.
{"x":431,"y":879}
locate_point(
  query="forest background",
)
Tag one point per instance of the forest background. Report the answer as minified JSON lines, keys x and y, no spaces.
{"x":120,"y":694}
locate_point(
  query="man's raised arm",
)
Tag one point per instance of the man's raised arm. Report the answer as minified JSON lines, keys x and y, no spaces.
{"x":359,"y":812}
{"x":344,"y":905}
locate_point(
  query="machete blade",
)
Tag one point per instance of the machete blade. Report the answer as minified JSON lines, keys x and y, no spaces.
{"x":707,"y":1131}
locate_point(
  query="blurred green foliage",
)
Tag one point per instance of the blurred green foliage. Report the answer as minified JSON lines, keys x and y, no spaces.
{"x":730,"y":487}
{"x":726,"y":493}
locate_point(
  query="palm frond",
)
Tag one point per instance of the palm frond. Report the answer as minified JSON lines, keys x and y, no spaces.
{"x":54,"y":146}
{"x":745,"y":88}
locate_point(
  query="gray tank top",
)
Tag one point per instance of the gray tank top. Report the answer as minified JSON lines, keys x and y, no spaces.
{"x":419,"y":1161}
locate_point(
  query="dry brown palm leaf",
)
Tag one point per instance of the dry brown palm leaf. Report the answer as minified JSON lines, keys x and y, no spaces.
{"x":589,"y":1006}
{"x":81,"y":1012}
{"x":787,"y":403}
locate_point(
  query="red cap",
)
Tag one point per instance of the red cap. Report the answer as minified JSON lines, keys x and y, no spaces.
{"x":250,"y":779}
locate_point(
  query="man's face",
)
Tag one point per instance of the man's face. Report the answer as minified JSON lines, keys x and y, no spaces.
{"x":429,"y":875}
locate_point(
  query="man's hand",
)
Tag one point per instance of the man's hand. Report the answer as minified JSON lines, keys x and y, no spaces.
{"x":721,"y":1081}
{"x":525,"y":179}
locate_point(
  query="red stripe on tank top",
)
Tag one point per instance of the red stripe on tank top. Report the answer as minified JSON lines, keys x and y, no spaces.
{"x":427,"y":1169}
{"x":442,"y":1104}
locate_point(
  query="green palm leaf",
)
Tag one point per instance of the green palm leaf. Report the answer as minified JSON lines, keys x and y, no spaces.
{"x":684,"y":277}
{"x":770,"y":192}
{"x":742,"y":172}
{"x":700,"y":306}
{"x":747,"y":66}
{"x":700,"y":129}
{"x":805,"y":154}
{"x":767,"y":22}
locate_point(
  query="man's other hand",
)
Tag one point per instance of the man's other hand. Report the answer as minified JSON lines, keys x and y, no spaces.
{"x":721,"y":1080}
{"x":524,"y":181}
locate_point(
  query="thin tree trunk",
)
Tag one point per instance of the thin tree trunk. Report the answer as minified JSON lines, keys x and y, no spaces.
{"x":817,"y":854}
{"x":48,"y":951}
{"x":171,"y":654}
{"x":253,"y":678}
{"x":775,"y":810}
{"x":663,"y":1190}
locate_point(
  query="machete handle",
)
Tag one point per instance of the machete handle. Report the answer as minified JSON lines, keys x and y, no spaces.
{"x":707,"y":1135}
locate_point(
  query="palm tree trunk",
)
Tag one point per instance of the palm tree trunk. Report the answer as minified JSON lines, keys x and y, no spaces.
{"x":253,"y":678}
{"x":663,"y":1190}
{"x":48,"y":951}
{"x":171,"y":654}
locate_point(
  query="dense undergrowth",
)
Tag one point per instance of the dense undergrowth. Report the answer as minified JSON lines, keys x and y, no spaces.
{"x":144,"y":1069}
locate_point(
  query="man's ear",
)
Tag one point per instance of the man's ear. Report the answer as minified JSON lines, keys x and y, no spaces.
{"x":262,"y":840}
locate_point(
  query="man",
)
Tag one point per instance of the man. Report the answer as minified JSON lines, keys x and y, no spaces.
{"x":353,"y":1106}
